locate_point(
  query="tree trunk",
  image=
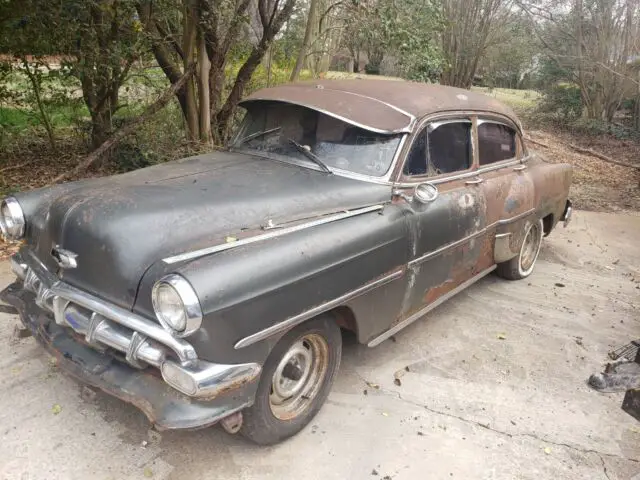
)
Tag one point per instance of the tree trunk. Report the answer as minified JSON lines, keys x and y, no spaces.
{"x":160,"y":47}
{"x":100,"y":127}
{"x":204,"y":68}
{"x":225,"y":115}
{"x":308,"y":32}
{"x":189,"y":47}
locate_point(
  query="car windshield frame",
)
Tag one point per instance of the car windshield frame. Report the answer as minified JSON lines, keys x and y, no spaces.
{"x":384,"y":147}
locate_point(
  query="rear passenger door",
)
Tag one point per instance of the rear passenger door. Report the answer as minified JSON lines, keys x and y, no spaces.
{"x":507,"y":186}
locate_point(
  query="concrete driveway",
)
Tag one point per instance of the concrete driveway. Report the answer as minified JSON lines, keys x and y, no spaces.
{"x":491,"y":385}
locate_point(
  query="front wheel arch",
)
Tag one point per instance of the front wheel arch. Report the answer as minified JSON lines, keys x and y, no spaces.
{"x":261,"y":423}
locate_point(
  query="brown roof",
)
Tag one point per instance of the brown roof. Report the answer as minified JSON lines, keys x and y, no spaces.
{"x":386,"y":106}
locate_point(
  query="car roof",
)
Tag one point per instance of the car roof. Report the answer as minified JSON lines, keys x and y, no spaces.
{"x":384,"y":106}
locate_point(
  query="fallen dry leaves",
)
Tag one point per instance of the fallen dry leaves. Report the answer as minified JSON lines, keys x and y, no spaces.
{"x":597,"y":185}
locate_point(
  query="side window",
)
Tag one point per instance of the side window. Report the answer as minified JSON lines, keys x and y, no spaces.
{"x":416,"y":163}
{"x":440,"y":148}
{"x":449,"y":148}
{"x":496,"y":142}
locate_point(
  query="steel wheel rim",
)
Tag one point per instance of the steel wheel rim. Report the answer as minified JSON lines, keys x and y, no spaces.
{"x":299,"y":376}
{"x":530,"y":248}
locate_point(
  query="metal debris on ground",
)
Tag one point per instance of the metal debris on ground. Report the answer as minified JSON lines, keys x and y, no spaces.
{"x":629,"y":351}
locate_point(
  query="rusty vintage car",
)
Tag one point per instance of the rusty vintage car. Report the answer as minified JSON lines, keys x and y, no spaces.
{"x":214,"y":289}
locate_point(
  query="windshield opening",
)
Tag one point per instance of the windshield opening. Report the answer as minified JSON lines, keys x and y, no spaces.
{"x":274,"y":129}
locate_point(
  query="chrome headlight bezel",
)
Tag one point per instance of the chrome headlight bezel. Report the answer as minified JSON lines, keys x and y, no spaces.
{"x":191,"y":310}
{"x":13,"y":225}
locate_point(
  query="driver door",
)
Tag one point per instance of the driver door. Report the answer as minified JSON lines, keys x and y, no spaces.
{"x":447,"y":232}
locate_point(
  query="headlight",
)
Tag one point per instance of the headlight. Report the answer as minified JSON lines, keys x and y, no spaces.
{"x":176,"y":305}
{"x":11,"y":219}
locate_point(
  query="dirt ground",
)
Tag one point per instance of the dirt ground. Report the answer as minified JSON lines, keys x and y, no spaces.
{"x":492,"y":386}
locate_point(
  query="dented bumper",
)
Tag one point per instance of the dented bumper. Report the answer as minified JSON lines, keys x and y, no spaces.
{"x":221,"y":389}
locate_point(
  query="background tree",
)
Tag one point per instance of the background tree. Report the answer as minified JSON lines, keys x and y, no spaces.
{"x":210,"y":31}
{"x":513,"y":59}
{"x":98,"y":40}
{"x":591,"y":44}
{"x":405,"y":31}
{"x":469,"y":29}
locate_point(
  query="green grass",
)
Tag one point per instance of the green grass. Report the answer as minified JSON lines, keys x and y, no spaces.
{"x":519,"y":100}
{"x":17,"y":120}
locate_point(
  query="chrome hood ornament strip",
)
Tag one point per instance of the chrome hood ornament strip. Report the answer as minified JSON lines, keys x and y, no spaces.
{"x":271,"y":234}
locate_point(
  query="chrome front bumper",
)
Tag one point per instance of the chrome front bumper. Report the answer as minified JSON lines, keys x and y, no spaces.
{"x":139,"y":341}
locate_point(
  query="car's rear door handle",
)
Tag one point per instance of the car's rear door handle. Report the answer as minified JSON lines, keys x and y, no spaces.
{"x":519,"y":168}
{"x":474,"y":182}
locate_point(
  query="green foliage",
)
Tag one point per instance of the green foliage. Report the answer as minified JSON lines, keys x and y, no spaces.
{"x":562,"y":101}
{"x":594,"y":127}
{"x":159,"y":140}
{"x":407,"y":30}
{"x":96,"y":41}
{"x":512,"y":59}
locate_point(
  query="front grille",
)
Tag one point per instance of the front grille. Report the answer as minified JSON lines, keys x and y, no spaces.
{"x":71,"y":308}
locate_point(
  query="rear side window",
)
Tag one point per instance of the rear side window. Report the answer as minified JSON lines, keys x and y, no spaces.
{"x":440,"y":148}
{"x":496,"y":142}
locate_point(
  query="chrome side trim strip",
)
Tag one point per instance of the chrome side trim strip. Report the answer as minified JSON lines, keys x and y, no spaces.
{"x":306,"y":315}
{"x":424,"y":258}
{"x":515,"y":218}
{"x":409,"y":320}
{"x":462,"y":176}
{"x":272,"y":234}
{"x":504,"y":221}
{"x":185,"y":352}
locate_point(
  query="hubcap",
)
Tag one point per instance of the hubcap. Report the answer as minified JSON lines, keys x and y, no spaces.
{"x":299,"y":376}
{"x":530,"y":248}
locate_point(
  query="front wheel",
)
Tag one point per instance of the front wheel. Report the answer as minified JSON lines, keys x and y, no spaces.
{"x":295,"y":382}
{"x":522,"y":265}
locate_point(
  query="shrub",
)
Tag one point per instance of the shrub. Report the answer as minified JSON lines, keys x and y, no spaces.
{"x":562,"y":100}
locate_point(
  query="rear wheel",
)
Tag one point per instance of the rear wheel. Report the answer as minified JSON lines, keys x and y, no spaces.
{"x":295,"y":382}
{"x":522,"y":265}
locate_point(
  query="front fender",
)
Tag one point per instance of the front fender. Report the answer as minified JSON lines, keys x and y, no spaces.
{"x":249,"y":288}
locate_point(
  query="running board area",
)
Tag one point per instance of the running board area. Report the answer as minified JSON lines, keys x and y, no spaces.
{"x":422,"y":312}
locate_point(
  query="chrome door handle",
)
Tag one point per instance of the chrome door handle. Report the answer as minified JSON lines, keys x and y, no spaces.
{"x":474,"y":182}
{"x":519,"y":168}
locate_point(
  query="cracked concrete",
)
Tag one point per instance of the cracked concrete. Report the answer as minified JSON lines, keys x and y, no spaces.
{"x":470,"y":405}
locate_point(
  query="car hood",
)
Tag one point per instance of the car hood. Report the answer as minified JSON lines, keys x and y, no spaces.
{"x":119,"y":226}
